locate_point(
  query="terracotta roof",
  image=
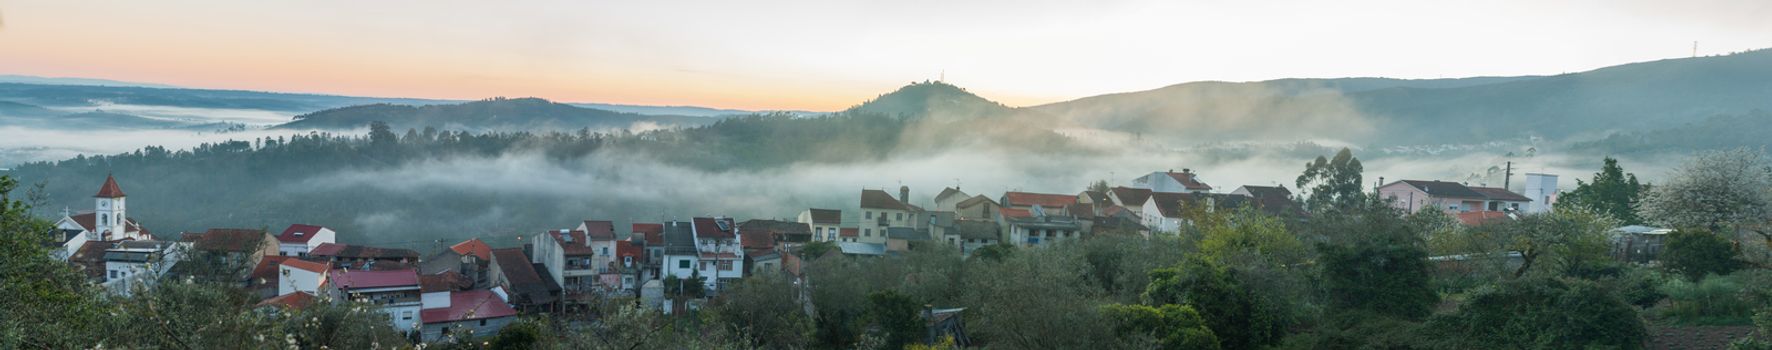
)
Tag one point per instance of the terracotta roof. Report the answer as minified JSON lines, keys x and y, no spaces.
{"x":1444,"y":189}
{"x":444,"y":281}
{"x":1131,"y":197}
{"x":293,"y":301}
{"x":1027,"y":199}
{"x":826,"y":216}
{"x":232,"y":240}
{"x":310,"y":266}
{"x":1500,"y":194}
{"x":362,"y":252}
{"x":1474,"y":218}
{"x":948,"y":192}
{"x":765,"y":233}
{"x":298,"y":233}
{"x":91,"y":257}
{"x":525,"y":282}
{"x":467,"y":306}
{"x":475,"y":247}
{"x":110,"y":189}
{"x":576,"y":246}
{"x":848,"y":232}
{"x":88,"y":221}
{"x":712,"y":228}
{"x":975,"y":201}
{"x":653,"y":233}
{"x":359,"y":279}
{"x":600,"y":230}
{"x":877,"y":199}
{"x":1082,"y":210}
{"x":266,"y":271}
{"x":1189,"y":180}
{"x":1014,"y":213}
{"x":628,"y":249}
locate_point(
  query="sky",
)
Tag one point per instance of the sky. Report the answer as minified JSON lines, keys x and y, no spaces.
{"x":828,"y":55}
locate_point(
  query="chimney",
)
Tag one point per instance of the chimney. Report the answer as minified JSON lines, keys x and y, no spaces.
{"x":904,"y":194}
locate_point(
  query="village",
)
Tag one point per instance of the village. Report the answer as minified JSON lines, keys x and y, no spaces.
{"x":472,"y":287}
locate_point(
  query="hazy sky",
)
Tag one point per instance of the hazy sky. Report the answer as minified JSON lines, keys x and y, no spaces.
{"x":826,"y":55}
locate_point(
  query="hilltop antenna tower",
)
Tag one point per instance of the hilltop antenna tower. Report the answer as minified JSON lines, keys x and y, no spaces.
{"x":1694,"y":49}
{"x":944,"y":72}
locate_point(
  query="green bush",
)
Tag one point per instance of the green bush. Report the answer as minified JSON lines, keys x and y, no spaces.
{"x":1715,"y":300}
{"x":1696,"y":253}
{"x":1540,"y":313}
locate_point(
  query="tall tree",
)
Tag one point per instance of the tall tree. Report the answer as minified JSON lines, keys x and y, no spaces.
{"x":1332,"y":183}
{"x":1719,"y":191}
{"x":1612,"y":192}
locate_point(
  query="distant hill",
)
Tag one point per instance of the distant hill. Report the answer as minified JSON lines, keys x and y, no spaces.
{"x":15,"y":109}
{"x":28,"y":79}
{"x":496,"y":114}
{"x":932,"y":99}
{"x":688,"y":111}
{"x":92,"y":120}
{"x":94,"y":96}
{"x":1393,"y":111}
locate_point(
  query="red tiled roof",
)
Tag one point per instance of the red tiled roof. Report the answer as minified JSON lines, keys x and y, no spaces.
{"x":1132,"y":197}
{"x":110,"y":189}
{"x":710,"y":228}
{"x":266,"y":271}
{"x":88,"y":221}
{"x":1014,"y":213}
{"x":298,"y":233}
{"x":294,"y":301}
{"x":233,"y":240}
{"x":362,"y":252}
{"x":848,"y":232}
{"x":627,"y":248}
{"x":91,"y":257}
{"x":467,"y":306}
{"x":1500,"y":194}
{"x":1474,"y":218}
{"x":653,"y":233}
{"x":359,"y":279}
{"x":474,"y":247}
{"x":1046,"y":200}
{"x":1189,"y":180}
{"x":877,"y":199}
{"x":600,"y":230}
{"x":444,"y":281}
{"x":577,"y":246}
{"x":310,"y":266}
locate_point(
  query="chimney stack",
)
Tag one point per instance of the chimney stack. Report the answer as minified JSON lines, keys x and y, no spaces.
{"x":904,"y":194}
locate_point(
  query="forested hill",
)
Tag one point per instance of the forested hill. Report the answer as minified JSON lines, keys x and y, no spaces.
{"x":936,"y":99}
{"x":1638,"y":96}
{"x":495,"y":114}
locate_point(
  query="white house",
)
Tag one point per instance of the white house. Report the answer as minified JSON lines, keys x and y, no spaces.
{"x":824,"y":223}
{"x":1542,"y":190}
{"x":880,"y":211}
{"x":130,"y":263}
{"x":1185,"y":181}
{"x":296,"y":275}
{"x":464,"y":314}
{"x":299,"y":239}
{"x":704,"y":247}
{"x":393,"y":292}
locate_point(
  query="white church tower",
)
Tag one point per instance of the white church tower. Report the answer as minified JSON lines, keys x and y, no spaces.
{"x":111,"y":211}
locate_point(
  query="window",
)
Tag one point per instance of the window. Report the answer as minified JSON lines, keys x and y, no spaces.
{"x":406,"y":315}
{"x":113,"y":274}
{"x":683,"y":264}
{"x":605,"y":250}
{"x":867,"y":232}
{"x":482,"y":322}
{"x":725,"y":265}
{"x":900,"y":216}
{"x":869,"y":213}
